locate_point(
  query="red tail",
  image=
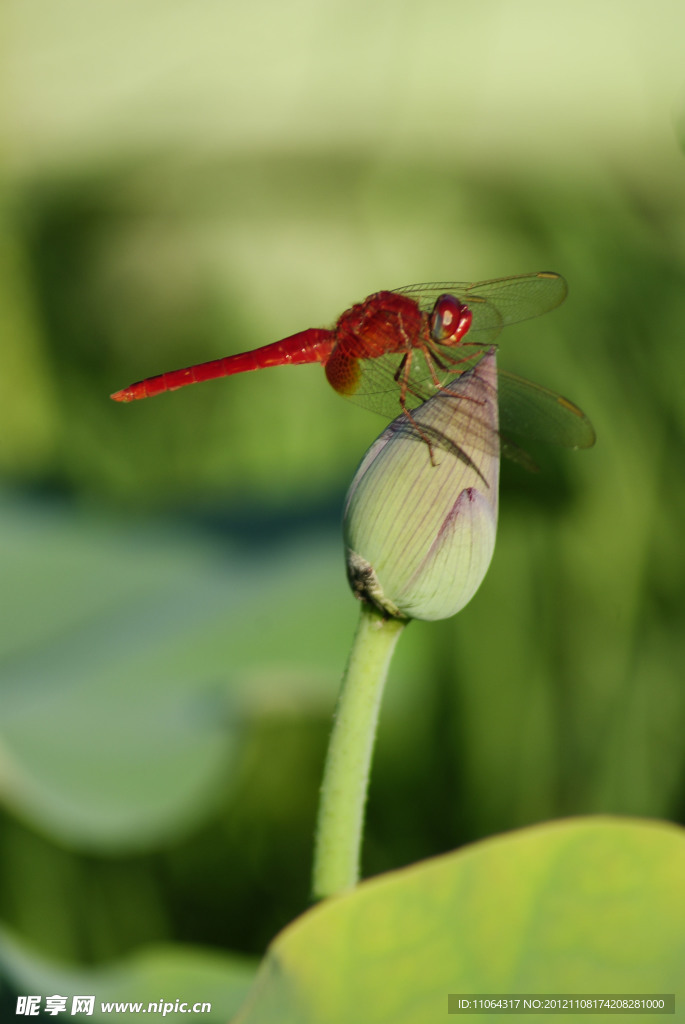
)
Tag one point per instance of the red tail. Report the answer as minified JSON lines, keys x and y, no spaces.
{"x":311,"y":346}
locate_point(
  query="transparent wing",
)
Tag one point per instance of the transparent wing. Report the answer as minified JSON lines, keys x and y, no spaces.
{"x":379,"y":386}
{"x":496,"y":303}
{"x":526,"y":410}
{"x":529,"y":410}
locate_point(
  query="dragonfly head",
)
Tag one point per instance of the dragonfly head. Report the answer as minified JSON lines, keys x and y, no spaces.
{"x":450,"y":319}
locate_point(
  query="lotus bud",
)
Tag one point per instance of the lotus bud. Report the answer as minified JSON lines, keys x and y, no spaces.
{"x":421,"y":514}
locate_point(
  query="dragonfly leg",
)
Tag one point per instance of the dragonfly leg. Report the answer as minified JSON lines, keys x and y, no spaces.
{"x":404,"y":368}
{"x":403,"y":371}
{"x":432,"y":357}
{"x":400,"y":369}
{"x":448,"y":361}
{"x":402,"y":376}
{"x":422,"y":434}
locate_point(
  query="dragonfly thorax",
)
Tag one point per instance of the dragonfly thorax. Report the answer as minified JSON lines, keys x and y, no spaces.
{"x":384,"y":323}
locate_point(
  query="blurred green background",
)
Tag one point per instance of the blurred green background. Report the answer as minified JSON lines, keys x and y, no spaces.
{"x":181,"y":181}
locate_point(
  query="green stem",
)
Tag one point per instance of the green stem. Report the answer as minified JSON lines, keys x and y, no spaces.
{"x":346,"y":775}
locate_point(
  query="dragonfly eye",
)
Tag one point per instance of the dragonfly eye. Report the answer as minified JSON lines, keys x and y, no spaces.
{"x":450,"y":320}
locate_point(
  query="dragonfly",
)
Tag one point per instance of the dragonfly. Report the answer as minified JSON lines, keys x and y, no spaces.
{"x":396,"y":349}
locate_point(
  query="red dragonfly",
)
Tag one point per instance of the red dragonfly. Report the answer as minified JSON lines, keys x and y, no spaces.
{"x":396,"y":349}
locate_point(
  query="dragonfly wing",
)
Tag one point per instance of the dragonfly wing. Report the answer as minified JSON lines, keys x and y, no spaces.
{"x":379,"y":387}
{"x":379,"y":390}
{"x":380,"y":381}
{"x":487,"y":318}
{"x":529,"y":410}
{"x":496,"y":303}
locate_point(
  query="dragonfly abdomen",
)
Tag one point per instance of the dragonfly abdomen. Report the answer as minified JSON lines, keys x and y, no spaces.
{"x":311,"y":346}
